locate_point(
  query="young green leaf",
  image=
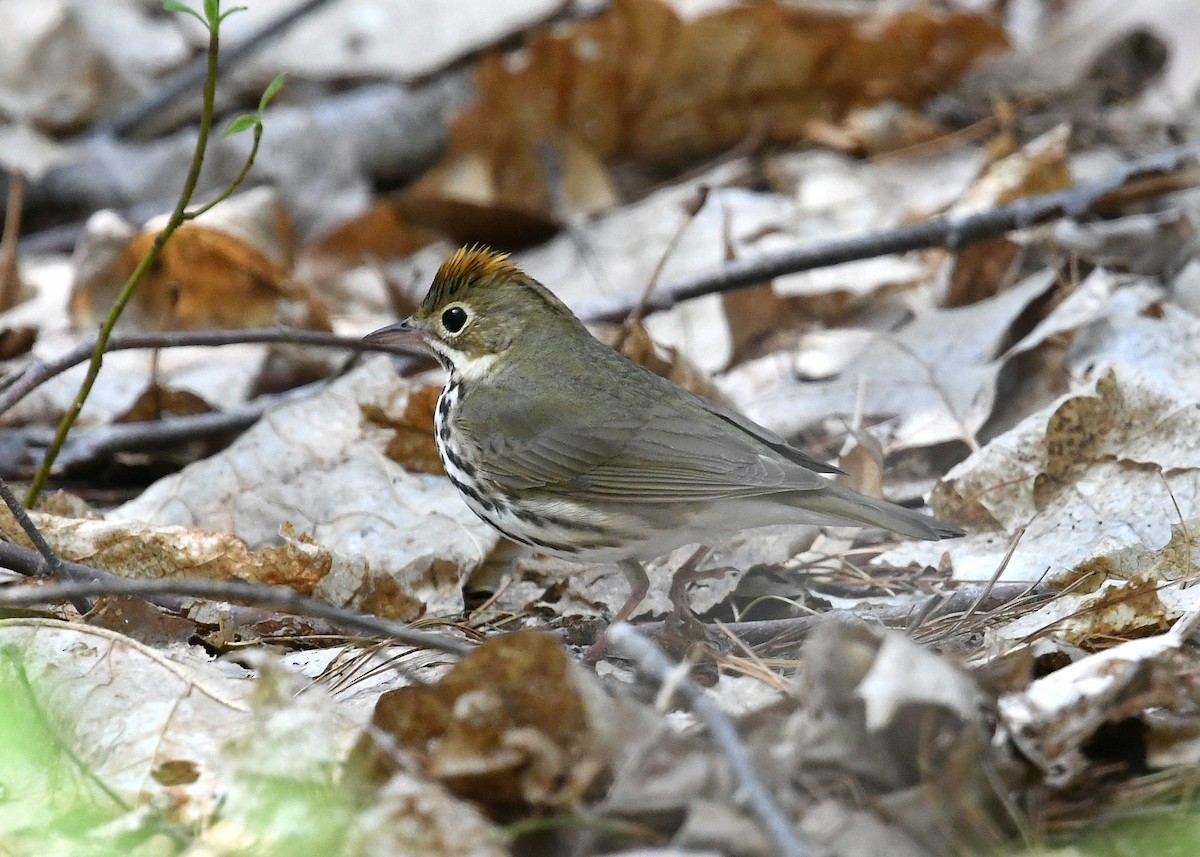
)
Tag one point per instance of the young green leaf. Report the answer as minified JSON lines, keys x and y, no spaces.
{"x":177,"y":6}
{"x":272,"y":88}
{"x":212,"y":11}
{"x":229,"y":12}
{"x":240,"y":123}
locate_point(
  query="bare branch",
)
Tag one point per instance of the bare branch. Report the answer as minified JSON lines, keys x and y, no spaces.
{"x":650,"y":660}
{"x":19,"y":385}
{"x":94,"y":444}
{"x":170,"y":592}
{"x":952,"y":232}
{"x":53,"y":562}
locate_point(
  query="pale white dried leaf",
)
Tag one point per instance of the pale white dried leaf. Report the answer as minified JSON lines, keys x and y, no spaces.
{"x":319,"y":467}
{"x":904,"y":674}
{"x":401,"y":39}
{"x":1150,"y":680}
{"x":126,"y":709}
{"x":935,"y":377}
{"x":1118,"y":470}
{"x":410,"y":817}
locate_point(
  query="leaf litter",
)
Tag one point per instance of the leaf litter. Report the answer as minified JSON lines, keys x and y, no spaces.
{"x":1042,"y":384}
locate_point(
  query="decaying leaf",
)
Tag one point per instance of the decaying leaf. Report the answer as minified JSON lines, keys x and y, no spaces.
{"x":1107,"y":467}
{"x":640,"y":348}
{"x":638,"y":83}
{"x":985,"y":267}
{"x":1134,"y":705}
{"x":936,"y":376}
{"x":411,"y":817}
{"x":82,"y":679}
{"x":889,"y":741}
{"x":412,"y":445}
{"x":230,"y":267}
{"x":512,"y":724}
{"x":137,"y":550}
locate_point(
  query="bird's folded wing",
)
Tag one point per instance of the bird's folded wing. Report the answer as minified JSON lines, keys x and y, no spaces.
{"x":647,"y":455}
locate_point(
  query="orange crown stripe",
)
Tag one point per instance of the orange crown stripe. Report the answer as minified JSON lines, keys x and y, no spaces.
{"x":468,"y":264}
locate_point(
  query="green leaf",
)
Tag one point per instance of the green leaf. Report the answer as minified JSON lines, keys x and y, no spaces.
{"x":272,"y":88}
{"x":240,"y":124}
{"x":229,"y":12}
{"x":212,"y":11}
{"x":177,"y":6}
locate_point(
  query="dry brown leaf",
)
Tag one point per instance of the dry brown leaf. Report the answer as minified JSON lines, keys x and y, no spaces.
{"x":141,"y":621}
{"x":412,"y":445}
{"x":507,"y":726}
{"x":143,"y":551}
{"x":758,"y":314}
{"x":638,"y":83}
{"x":230,"y":267}
{"x":15,"y":341}
{"x":667,"y":362}
{"x":983,"y":269}
{"x":377,"y":233}
{"x":157,"y":400}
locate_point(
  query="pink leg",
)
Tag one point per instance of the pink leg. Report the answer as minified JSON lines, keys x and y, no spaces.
{"x":686,"y":574}
{"x":639,"y":585}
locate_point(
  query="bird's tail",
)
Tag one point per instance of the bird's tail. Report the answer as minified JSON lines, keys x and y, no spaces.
{"x":856,"y":509}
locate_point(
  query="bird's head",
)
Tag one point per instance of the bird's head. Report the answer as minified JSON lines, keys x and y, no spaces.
{"x":478,"y":308}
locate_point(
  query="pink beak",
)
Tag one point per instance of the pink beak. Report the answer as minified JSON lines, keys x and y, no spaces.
{"x":401,"y":334}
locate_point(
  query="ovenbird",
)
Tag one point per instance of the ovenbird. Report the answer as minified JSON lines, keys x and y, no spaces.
{"x":563,"y":444}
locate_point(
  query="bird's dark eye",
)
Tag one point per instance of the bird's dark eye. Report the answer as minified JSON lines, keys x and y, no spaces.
{"x":454,"y":318}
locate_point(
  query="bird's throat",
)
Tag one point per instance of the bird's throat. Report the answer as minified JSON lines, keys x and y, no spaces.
{"x":462,"y":366}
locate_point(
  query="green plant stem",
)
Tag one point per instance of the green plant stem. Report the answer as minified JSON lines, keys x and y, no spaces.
{"x":179,"y":216}
{"x":238,"y":179}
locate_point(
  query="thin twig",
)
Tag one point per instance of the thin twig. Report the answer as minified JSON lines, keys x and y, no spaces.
{"x":17,"y":386}
{"x":987,"y":589}
{"x":29,"y":563}
{"x":758,"y":631}
{"x":54,"y":565}
{"x":650,"y":659}
{"x":10,"y":270}
{"x":237,"y":591}
{"x":691,"y":209}
{"x":98,"y":443}
{"x":53,"y":562}
{"x":953,"y":232}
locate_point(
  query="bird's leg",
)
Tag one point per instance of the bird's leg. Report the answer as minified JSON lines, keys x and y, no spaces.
{"x":689,"y":573}
{"x":639,"y":585}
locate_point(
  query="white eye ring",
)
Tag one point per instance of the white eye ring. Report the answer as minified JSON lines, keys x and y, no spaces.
{"x":454,"y":319}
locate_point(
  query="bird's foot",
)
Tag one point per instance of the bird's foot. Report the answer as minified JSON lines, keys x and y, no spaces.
{"x":687,"y":574}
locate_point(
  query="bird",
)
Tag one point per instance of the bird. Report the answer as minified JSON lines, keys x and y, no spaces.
{"x":563,"y":444}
